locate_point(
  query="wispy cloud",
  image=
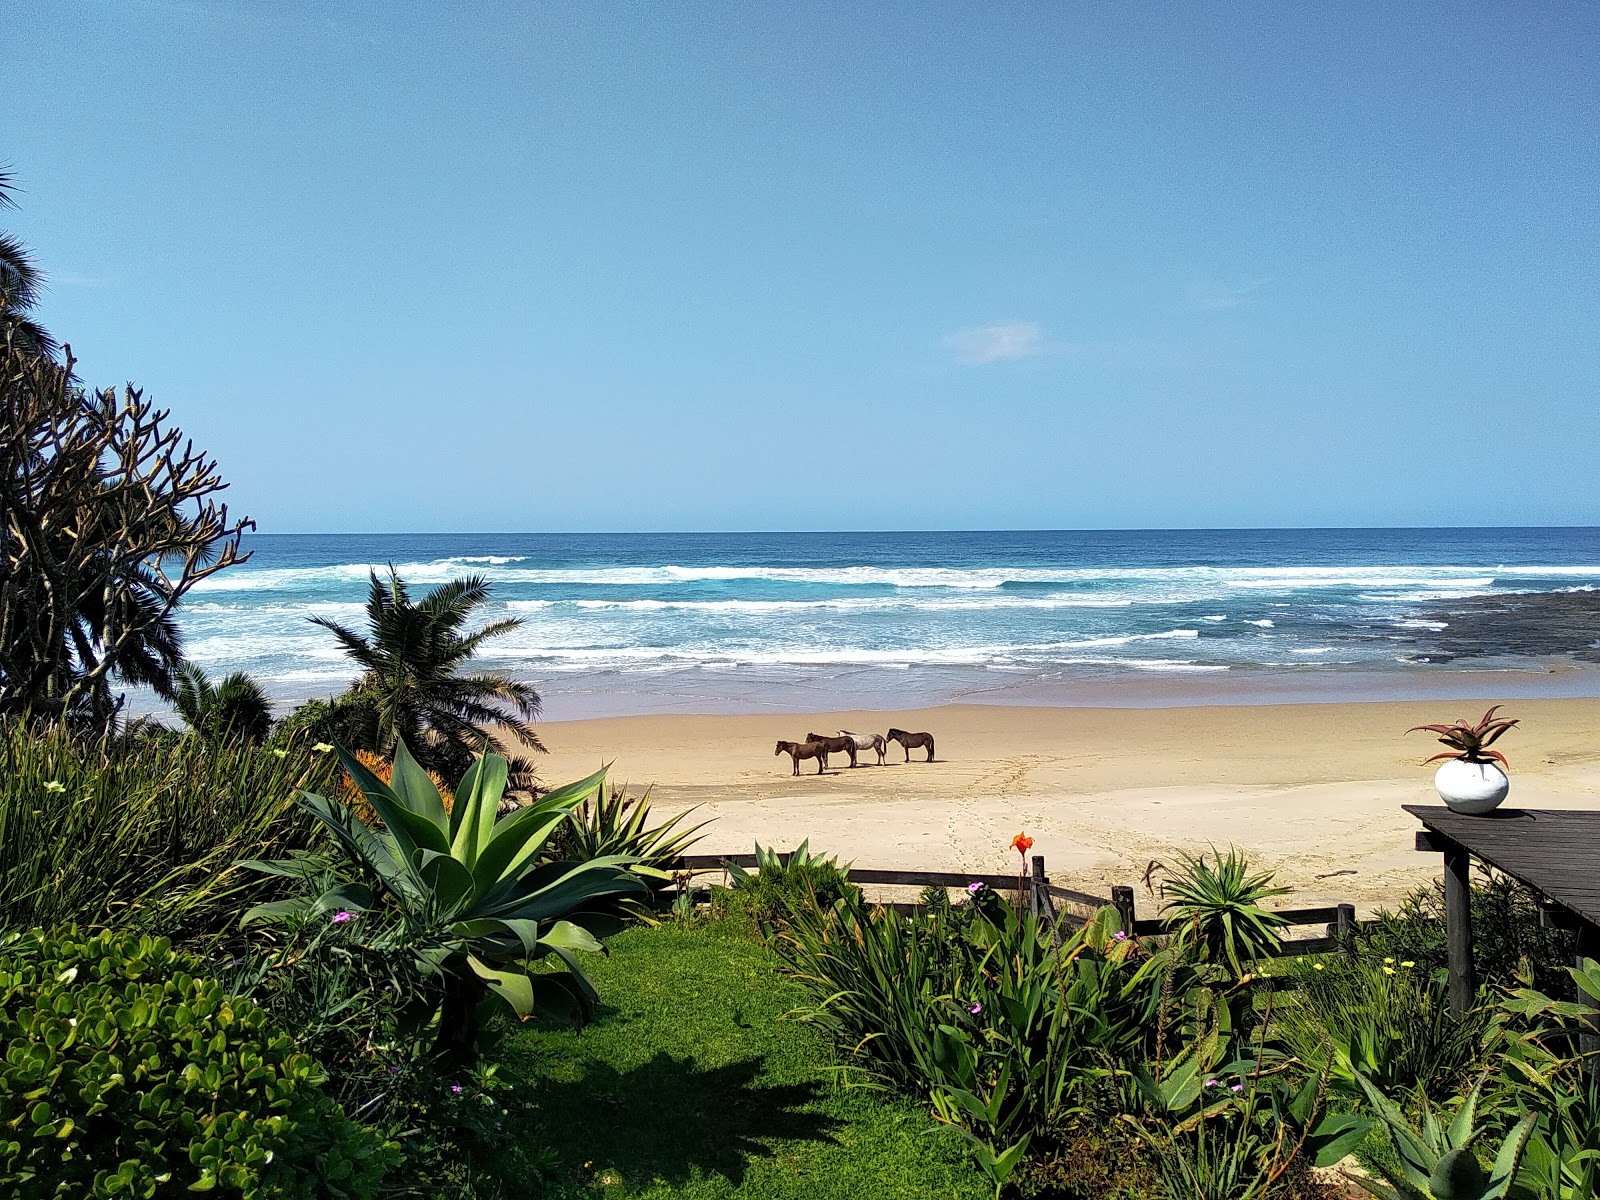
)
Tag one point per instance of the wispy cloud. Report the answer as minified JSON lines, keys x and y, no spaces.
{"x":1001,"y":342}
{"x":1210,"y":295}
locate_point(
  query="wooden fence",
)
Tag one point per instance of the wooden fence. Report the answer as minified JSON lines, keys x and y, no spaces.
{"x":1044,"y":895}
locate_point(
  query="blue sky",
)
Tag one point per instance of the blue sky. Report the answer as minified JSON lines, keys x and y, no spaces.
{"x":407,"y":266}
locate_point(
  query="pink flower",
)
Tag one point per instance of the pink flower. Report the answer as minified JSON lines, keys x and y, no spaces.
{"x":1120,"y":936}
{"x":975,"y":888}
{"x":1238,"y":1087}
{"x":1211,"y":1083}
{"x":975,"y":1009}
{"x":455,"y":1089}
{"x":340,"y":917}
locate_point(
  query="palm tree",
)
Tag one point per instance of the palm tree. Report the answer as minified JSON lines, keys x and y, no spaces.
{"x":20,"y":284}
{"x":236,"y":707}
{"x":412,"y":655}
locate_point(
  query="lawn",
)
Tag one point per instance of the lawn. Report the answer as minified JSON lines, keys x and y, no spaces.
{"x":692,"y":1085}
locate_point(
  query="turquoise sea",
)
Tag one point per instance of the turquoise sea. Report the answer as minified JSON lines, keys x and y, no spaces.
{"x":623,"y":623}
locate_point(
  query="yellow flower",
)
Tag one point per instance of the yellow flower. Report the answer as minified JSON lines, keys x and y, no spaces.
{"x":281,"y":753}
{"x":1316,"y":966}
{"x":322,"y":747}
{"x":1388,"y":960}
{"x":1388,"y":970}
{"x":1408,"y":963}
{"x":50,"y":785}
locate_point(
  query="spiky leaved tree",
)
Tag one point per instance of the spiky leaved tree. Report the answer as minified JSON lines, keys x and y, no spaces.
{"x":235,"y":708}
{"x":108,"y":516}
{"x":20,"y":284}
{"x":412,"y":656}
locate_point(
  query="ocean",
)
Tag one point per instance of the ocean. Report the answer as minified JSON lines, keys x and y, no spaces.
{"x":635,"y":623}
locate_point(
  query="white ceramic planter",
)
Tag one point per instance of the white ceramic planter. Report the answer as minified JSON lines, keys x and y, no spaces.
{"x":1471,"y":788}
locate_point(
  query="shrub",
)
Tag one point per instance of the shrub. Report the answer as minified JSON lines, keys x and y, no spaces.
{"x":1389,"y":1021}
{"x":141,"y":831}
{"x":465,"y":895}
{"x":130,"y":1074}
{"x":1507,"y":938}
{"x":777,"y":889}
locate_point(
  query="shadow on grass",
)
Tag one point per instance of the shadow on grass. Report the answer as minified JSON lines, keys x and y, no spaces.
{"x":670,"y":1119}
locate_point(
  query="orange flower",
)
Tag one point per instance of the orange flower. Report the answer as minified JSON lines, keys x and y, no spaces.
{"x":1022,"y":843}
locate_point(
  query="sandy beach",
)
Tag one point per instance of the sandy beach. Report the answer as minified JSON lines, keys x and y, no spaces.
{"x":1312,"y":791}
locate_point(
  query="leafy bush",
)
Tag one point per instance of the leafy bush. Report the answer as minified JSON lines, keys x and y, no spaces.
{"x":1388,"y":1021}
{"x":140,"y":832}
{"x":777,"y":889}
{"x":998,"y":1023}
{"x":1507,"y":938}
{"x":462,"y":893}
{"x":129,"y":1074}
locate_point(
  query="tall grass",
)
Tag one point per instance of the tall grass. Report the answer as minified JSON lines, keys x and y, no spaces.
{"x":143,"y":833}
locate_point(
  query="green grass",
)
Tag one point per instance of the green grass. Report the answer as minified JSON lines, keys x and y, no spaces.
{"x":692,"y":1085}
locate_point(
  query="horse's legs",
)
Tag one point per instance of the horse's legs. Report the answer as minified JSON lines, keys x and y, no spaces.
{"x":795,"y":758}
{"x":930,"y":749}
{"x":822,"y":761}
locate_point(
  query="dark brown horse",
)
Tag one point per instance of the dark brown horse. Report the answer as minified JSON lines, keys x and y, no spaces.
{"x":799,"y":750}
{"x":835,"y":745}
{"x":908,"y":741}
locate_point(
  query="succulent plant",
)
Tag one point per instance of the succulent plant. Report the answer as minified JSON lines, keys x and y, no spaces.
{"x":1470,"y":742}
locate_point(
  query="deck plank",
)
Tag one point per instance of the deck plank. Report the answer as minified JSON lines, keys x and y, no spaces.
{"x":1554,"y":851}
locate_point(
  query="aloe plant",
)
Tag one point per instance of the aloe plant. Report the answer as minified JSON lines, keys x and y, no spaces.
{"x":1439,"y":1161}
{"x":465,"y":891}
{"x":1215,"y":909}
{"x":1470,"y":741}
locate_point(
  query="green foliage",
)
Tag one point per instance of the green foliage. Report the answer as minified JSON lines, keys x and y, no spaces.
{"x":1387,"y":1021}
{"x":234,"y":708}
{"x":1439,"y":1160}
{"x":465,"y":893}
{"x":127,"y":1073}
{"x":349,"y":720}
{"x":1507,"y":937}
{"x":998,"y":1024}
{"x":1214,"y":910}
{"x":412,"y":655}
{"x":142,"y":832}
{"x":610,"y":822}
{"x":778,"y":889}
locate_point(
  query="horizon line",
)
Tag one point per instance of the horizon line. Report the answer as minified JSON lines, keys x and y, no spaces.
{"x":925,"y":530}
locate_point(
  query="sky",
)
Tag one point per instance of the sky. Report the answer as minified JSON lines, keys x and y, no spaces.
{"x":519,"y":267}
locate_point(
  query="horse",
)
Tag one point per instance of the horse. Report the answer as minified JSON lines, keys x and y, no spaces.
{"x":868,"y":741}
{"x":835,"y":745}
{"x":799,"y":750}
{"x":910,"y":740}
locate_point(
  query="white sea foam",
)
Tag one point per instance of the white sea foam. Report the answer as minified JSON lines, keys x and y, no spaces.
{"x":505,"y":569}
{"x":1264,"y":624}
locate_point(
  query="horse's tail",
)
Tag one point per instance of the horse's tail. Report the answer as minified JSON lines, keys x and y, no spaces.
{"x":930,"y":747}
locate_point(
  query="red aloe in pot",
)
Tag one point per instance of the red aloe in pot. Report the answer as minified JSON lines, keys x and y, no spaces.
{"x":1470,"y":742}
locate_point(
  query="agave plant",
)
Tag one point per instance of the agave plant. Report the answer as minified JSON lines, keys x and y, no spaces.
{"x":1470,"y":742}
{"x":612,"y":822}
{"x":1440,"y":1162}
{"x":465,"y":891}
{"x":1215,"y":909}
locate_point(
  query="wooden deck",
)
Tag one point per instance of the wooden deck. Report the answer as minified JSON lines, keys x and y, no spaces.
{"x":1556,"y":852}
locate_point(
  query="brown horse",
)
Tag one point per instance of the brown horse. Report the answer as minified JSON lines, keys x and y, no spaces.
{"x":799,"y":750}
{"x":908,"y":741}
{"x":835,"y":745}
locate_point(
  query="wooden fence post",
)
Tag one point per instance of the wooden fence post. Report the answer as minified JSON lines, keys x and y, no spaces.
{"x":1039,"y":898}
{"x":1345,"y":930}
{"x":1122,"y":901}
{"x":1458,"y":926}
